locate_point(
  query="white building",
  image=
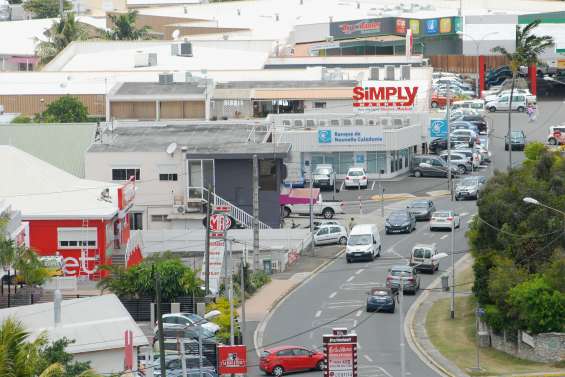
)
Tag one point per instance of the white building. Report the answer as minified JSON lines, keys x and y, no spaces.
{"x":97,"y":325}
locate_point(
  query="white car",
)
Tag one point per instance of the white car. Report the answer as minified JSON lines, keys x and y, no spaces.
{"x":330,"y":234}
{"x":494,"y":97}
{"x":356,"y":177}
{"x":445,"y":220}
{"x":556,"y":135}
{"x":181,"y":320}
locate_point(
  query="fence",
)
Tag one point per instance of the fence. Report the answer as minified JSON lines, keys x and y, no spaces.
{"x":545,"y":348}
{"x":464,"y":64}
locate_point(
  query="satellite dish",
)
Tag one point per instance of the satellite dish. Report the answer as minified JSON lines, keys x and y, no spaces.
{"x":172,"y":148}
{"x":176,"y":34}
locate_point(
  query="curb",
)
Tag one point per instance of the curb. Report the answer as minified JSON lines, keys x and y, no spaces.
{"x":258,"y":334}
{"x":409,"y":324}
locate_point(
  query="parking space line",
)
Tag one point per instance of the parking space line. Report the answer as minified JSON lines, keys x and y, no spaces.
{"x":442,"y":237}
{"x":359,"y":312}
{"x":351,"y":277}
{"x":368,"y":358}
{"x":359,"y":271}
{"x":341,"y":187}
{"x":355,"y":324}
{"x":318,"y":313}
{"x":333,"y":294}
{"x":373,"y":185}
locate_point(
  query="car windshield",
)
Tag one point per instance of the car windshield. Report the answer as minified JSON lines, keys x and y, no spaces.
{"x":398,"y":216}
{"x":400,"y":271}
{"x":441,"y":214}
{"x":320,"y":171}
{"x":379,"y":293}
{"x":195,"y":318}
{"x":419,"y":205}
{"x":355,"y":173}
{"x":422,"y":253}
{"x":469,"y":181}
{"x":359,"y":239}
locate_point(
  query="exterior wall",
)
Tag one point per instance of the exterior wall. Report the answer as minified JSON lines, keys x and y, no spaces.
{"x":30,"y":104}
{"x":310,"y":33}
{"x":10,"y":63}
{"x":133,"y":110}
{"x":106,"y":361}
{"x":239,"y":108}
{"x":331,"y":106}
{"x":549,"y":347}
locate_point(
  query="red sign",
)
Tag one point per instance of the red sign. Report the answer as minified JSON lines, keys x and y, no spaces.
{"x":340,"y":351}
{"x":126,"y":193}
{"x":221,"y":209}
{"x":392,"y":96}
{"x":362,"y":26}
{"x":232,"y":359}
{"x":219,"y":222}
{"x":400,"y":25}
{"x":128,"y":350}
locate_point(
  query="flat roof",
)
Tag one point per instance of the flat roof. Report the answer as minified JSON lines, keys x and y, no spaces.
{"x":285,"y":84}
{"x":152,"y":88}
{"x":42,"y":191}
{"x":222,"y":140}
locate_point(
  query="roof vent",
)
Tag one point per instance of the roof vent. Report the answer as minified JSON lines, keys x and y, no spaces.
{"x":389,"y":72}
{"x":144,"y":59}
{"x":185,"y":49}
{"x":165,"y":78}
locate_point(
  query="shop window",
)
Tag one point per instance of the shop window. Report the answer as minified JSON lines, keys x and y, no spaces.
{"x":168,"y":177}
{"x":268,"y":175}
{"x":334,"y":122}
{"x":347,"y":122}
{"x":298,"y":123}
{"x":136,"y":220}
{"x":319,"y":105}
{"x":310,"y":123}
{"x":359,"y":122}
{"x":376,"y":162}
{"x":345,"y":162}
{"x":73,"y":238}
{"x":158,"y":218}
{"x":123,"y":174}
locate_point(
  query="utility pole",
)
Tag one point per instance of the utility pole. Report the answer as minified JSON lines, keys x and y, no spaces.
{"x":61,"y":8}
{"x":242,"y":279}
{"x":255,"y":212}
{"x":207,"y":244}
{"x":452,"y":269}
{"x":382,"y":201}
{"x":182,"y":356}
{"x":157,"y":278}
{"x":232,"y":333}
{"x":402,"y":351}
{"x":449,"y":181}
{"x":311,"y":201}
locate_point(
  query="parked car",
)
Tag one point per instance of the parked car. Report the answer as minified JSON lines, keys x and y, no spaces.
{"x":319,"y":223}
{"x":503,"y":92}
{"x":445,"y":220}
{"x":468,"y":133}
{"x":421,"y":209}
{"x":471,"y":153}
{"x":173,"y":365}
{"x":323,"y":177}
{"x":381,"y":299}
{"x":517,"y":141}
{"x":330,"y":234}
{"x":556,"y":135}
{"x":437,"y":145}
{"x":181,"y":320}
{"x":458,"y":161}
{"x":503,"y":103}
{"x":286,"y":359}
{"x":439,"y":100}
{"x":422,"y":257}
{"x":409,"y":275}
{"x":430,"y":165}
{"x":463,"y":125}
{"x":356,"y":177}
{"x":364,"y":242}
{"x":461,"y":140}
{"x":468,"y":188}
{"x":477,"y":120}
{"x":325,"y":208}
{"x":193,"y":332}
{"x":475,"y":104}
{"x":400,"y":221}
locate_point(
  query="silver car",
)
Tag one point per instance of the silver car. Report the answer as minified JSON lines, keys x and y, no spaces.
{"x":469,"y":188}
{"x":330,"y":234}
{"x":458,"y":161}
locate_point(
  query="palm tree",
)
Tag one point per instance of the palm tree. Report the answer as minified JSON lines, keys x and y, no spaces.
{"x":528,"y":48}
{"x":61,"y":34}
{"x":123,"y":28}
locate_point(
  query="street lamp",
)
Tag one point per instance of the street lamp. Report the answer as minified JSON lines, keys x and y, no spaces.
{"x":536,"y":202}
{"x":477,"y":45}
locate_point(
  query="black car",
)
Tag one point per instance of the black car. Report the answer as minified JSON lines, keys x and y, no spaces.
{"x":400,"y":221}
{"x":518,"y":141}
{"x":422,"y":209}
{"x":477,"y":120}
{"x":381,"y":299}
{"x":437,"y":145}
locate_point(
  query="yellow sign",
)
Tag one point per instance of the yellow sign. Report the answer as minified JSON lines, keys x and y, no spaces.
{"x":561,"y":63}
{"x":445,"y":25}
{"x":415,"y":27}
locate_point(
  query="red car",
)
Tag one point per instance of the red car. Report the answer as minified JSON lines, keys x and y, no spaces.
{"x":280,"y":360}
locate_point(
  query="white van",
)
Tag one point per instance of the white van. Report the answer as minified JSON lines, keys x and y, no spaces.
{"x":423,"y":257}
{"x":364,"y":242}
{"x":519,"y":103}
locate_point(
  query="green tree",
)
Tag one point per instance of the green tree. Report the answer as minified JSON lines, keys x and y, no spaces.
{"x":23,"y":260}
{"x":554,"y":275}
{"x":55,"y":353}
{"x":123,"y":28}
{"x":177,"y":279}
{"x":527,"y":51}
{"x":45,"y":8}
{"x":223,"y":320}
{"x":61,"y":34}
{"x":66,"y":109}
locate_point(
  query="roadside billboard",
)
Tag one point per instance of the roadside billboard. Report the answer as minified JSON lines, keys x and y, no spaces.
{"x":340,"y":351}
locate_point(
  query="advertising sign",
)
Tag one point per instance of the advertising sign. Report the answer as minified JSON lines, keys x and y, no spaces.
{"x":219,"y":222}
{"x":438,"y":128}
{"x":126,"y":194}
{"x":364,"y":27}
{"x":457,"y":24}
{"x":341,"y":355}
{"x":363,"y":135}
{"x":431,"y":26}
{"x":445,"y":25}
{"x":415,"y":26}
{"x":232,"y":359}
{"x":379,"y":95}
{"x":401,"y":26}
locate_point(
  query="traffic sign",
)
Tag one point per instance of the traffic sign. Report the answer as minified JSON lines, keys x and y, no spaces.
{"x":220,"y":222}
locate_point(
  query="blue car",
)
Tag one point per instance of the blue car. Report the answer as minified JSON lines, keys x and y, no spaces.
{"x":381,"y":299}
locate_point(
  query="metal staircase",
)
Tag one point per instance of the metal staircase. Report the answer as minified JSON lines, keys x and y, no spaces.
{"x":242,"y":217}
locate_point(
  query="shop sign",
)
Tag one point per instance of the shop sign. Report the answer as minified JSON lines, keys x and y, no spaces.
{"x":438,"y":128}
{"x":360,"y":27}
{"x":401,"y":26}
{"x":457,"y":24}
{"x":340,"y":352}
{"x":415,"y":26}
{"x":374,"y":96}
{"x":445,"y":25}
{"x":431,"y":26}
{"x":75,"y":266}
{"x":350,"y":135}
{"x":232,"y":359}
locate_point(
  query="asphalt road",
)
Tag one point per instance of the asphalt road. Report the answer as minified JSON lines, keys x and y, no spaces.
{"x":336,"y":296}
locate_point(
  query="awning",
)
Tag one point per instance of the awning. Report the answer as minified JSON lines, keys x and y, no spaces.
{"x":302,"y":94}
{"x":23,"y":59}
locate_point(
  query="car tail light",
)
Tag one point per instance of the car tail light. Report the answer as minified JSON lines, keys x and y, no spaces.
{"x":450,"y":218}
{"x":411,"y":279}
{"x":363,"y":177}
{"x":347,"y":178}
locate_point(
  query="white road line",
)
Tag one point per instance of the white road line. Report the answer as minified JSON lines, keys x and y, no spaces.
{"x":464,"y":214}
{"x":358,"y":314}
{"x":385,"y":372}
{"x":368,"y":358}
{"x":373,"y":185}
{"x":341,"y":187}
{"x":333,"y":294}
{"x":443,"y":237}
{"x":350,"y":278}
{"x":355,"y":324}
{"x":470,"y":221}
{"x":359,"y":271}
{"x":359,"y":346}
{"x":318,"y":313}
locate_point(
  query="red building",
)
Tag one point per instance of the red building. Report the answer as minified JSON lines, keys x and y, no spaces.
{"x":84,"y":221}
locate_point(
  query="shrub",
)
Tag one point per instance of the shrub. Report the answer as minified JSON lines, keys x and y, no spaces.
{"x":223,"y":320}
{"x":21,"y":119}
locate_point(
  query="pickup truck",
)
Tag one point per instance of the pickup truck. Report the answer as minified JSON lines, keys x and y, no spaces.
{"x":291,"y":204}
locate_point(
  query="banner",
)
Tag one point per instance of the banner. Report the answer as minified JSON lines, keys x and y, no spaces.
{"x":438,"y":128}
{"x":361,"y":135}
{"x":232,"y":359}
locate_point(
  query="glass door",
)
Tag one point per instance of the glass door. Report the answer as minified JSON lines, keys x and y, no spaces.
{"x":200,"y":176}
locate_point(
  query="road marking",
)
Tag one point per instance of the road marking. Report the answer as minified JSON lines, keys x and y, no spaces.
{"x":470,"y":221}
{"x":443,"y":237}
{"x":333,"y":294}
{"x":341,"y":187}
{"x":350,"y":278}
{"x":358,"y":314}
{"x":368,"y":358}
{"x":355,"y":324}
{"x":318,"y":313}
{"x":373,"y":185}
{"x":359,"y":271}
{"x":464,"y":214}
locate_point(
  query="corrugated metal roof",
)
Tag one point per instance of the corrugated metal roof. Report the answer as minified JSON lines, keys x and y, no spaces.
{"x":61,"y":145}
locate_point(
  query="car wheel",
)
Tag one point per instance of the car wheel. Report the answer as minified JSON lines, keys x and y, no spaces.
{"x":417,"y":174}
{"x":387,"y":231}
{"x":431,"y":229}
{"x":520,"y":109}
{"x":278,"y":371}
{"x":348,"y":260}
{"x":342,"y":240}
{"x":286,"y":212}
{"x":320,"y":365}
{"x":328,"y":213}
{"x":461,"y":169}
{"x":552,"y":141}
{"x":379,"y":252}
{"x":492,"y":109}
{"x":392,"y":310}
{"x":457,"y":198}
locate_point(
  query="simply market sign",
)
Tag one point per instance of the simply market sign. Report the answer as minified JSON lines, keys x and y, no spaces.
{"x":350,"y":135}
{"x":379,"y":96}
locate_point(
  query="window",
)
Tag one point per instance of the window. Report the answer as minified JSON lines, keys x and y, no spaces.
{"x":335,"y":229}
{"x":347,"y":122}
{"x":334,"y":122}
{"x":74,"y":238}
{"x":319,"y":105}
{"x":287,"y":352}
{"x":136,"y":220}
{"x":123,"y":174}
{"x":268,"y":175}
{"x":25,"y":67}
{"x":301,"y":352}
{"x":158,"y":218}
{"x":359,"y":122}
{"x":168,"y":177}
{"x":323,"y":231}
{"x":376,"y":162}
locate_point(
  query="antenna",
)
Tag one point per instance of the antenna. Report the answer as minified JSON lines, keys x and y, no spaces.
{"x":171,"y":149}
{"x":175,"y":34}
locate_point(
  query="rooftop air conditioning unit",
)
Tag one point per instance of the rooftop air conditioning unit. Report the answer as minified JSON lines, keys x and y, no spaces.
{"x":141,"y":59}
{"x":165,"y":78}
{"x":180,"y":208}
{"x":389,"y":72}
{"x":186,"y":49}
{"x":374,"y":73}
{"x":405,"y":72}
